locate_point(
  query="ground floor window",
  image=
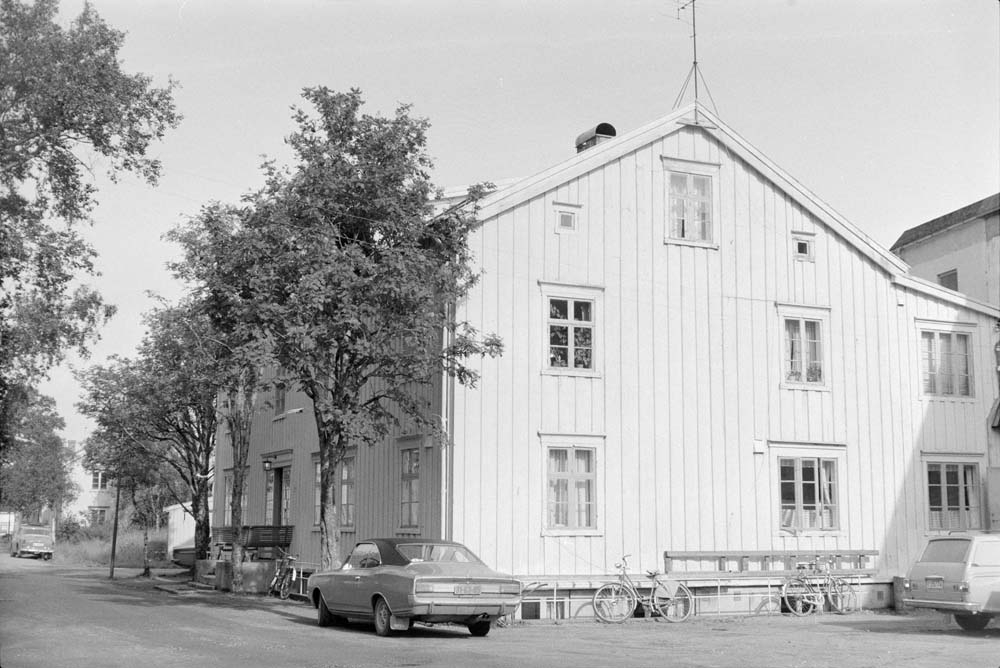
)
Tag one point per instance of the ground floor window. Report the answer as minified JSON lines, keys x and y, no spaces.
{"x":277,"y":496}
{"x":953,"y":496}
{"x":409,"y":505}
{"x":572,"y":488}
{"x":808,"y":493}
{"x":98,"y":515}
{"x":347,"y":493}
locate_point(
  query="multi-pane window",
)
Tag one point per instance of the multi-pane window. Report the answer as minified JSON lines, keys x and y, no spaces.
{"x":98,"y":515}
{"x":572,"y":488}
{"x":571,"y":333}
{"x":347,"y":492}
{"x":808,"y":493}
{"x":229,"y":486}
{"x":317,"y":489}
{"x":409,"y":505}
{"x":98,"y":480}
{"x":803,"y":351}
{"x":953,"y":496}
{"x":946,"y":363}
{"x":279,"y":398}
{"x":690,"y":207}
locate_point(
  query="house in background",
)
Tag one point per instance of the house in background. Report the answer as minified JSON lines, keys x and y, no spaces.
{"x":700,"y":356}
{"x":95,"y":500}
{"x":959,"y":250}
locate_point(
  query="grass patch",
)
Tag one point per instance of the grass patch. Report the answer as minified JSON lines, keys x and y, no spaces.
{"x":96,"y":551}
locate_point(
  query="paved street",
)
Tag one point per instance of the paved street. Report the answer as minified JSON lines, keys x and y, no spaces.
{"x":53,"y":616}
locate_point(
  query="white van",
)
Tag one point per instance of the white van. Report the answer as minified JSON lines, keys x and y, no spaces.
{"x":958,"y":574}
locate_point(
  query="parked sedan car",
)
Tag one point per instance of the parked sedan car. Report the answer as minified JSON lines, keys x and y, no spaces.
{"x":397,"y":581}
{"x":32,"y":540}
{"x":958,"y":574}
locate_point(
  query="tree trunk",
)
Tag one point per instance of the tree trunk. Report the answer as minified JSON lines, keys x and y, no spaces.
{"x":332,"y":445}
{"x":202,"y":528}
{"x":145,"y":551}
{"x":242,"y":402}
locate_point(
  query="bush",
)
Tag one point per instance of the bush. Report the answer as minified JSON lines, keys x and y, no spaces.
{"x":96,"y":550}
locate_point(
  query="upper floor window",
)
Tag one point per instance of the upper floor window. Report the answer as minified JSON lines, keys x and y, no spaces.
{"x":98,"y":480}
{"x":946,"y":363}
{"x":571,"y":333}
{"x":803,"y":246}
{"x":953,"y":497}
{"x":803,"y":350}
{"x":279,"y":398}
{"x":949,"y":279}
{"x":692,"y":202}
{"x":567,"y":216}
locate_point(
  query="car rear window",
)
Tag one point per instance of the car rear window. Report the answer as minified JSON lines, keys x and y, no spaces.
{"x":435,"y":552}
{"x":948,"y":550}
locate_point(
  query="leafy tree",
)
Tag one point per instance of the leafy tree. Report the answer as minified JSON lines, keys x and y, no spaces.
{"x":64,"y":101}
{"x":342,"y":269}
{"x":214,"y":233}
{"x":35,"y":471}
{"x":160,"y":409}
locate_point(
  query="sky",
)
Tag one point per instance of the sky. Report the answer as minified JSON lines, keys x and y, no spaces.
{"x":887,"y":110}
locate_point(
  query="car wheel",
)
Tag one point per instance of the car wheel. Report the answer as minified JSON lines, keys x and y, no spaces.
{"x":382,"y":614}
{"x":972,"y":622}
{"x":479,"y":629}
{"x":323,"y":615}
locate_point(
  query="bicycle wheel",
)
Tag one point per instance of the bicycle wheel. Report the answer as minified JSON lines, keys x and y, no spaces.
{"x":799,"y":597}
{"x":285,"y":586}
{"x":614,"y":603}
{"x":672,"y":600}
{"x":841,"y":595}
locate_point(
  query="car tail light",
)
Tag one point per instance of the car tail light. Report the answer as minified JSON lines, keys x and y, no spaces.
{"x":962,"y":587}
{"x":907,"y":585}
{"x":424,"y":587}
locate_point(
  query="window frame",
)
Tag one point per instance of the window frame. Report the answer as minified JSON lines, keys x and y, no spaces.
{"x":410,"y":504}
{"x":974,"y":462}
{"x":946,"y":276}
{"x":803,"y":313}
{"x":809,"y":238}
{"x":952,"y":329}
{"x":711,"y":170}
{"x":94,"y":510}
{"x":569,"y":209}
{"x":572,"y":293}
{"x":589,"y":442}
{"x":819,"y":452}
{"x":347,"y":501}
{"x":280,"y":399}
{"x":98,"y":481}
{"x":227,"y":497}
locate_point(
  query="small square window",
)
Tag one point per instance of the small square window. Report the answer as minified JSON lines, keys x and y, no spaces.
{"x":802,"y":247}
{"x":567,"y":221}
{"x":949,"y":279}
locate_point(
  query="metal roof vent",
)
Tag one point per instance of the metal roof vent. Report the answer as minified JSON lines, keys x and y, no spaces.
{"x":595,"y":135}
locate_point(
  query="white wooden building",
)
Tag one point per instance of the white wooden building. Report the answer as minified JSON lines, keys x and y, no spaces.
{"x":700,"y":355}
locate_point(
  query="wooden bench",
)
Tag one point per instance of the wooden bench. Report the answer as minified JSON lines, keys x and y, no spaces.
{"x":753,"y":564}
{"x":258,"y":540}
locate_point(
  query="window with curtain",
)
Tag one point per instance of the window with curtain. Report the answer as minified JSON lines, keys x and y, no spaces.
{"x":945,"y":363}
{"x":410,"y":489}
{"x":803,"y":351}
{"x":572,"y":486}
{"x":347,"y":492}
{"x":953,"y":496}
{"x":689,"y":207}
{"x":808,"y":493}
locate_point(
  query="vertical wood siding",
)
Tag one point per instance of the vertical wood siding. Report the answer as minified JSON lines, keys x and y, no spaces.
{"x":690,"y":349}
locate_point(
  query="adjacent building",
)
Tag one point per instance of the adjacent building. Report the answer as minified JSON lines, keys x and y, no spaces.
{"x":700,"y":355}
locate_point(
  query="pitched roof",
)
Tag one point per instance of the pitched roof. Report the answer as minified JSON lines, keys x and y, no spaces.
{"x":979,"y":209}
{"x":581,"y":163}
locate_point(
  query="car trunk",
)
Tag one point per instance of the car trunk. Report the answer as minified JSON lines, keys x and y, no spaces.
{"x":941,"y":570}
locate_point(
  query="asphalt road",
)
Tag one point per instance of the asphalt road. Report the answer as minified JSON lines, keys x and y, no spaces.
{"x":53,"y":616}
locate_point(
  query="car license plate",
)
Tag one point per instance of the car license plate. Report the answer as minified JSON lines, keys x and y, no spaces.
{"x":934,"y":584}
{"x":468,"y":590}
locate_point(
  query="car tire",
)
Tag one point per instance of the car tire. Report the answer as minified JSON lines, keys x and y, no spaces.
{"x":382,"y":614}
{"x":972,"y":622}
{"x":323,"y":615}
{"x":480,"y":629}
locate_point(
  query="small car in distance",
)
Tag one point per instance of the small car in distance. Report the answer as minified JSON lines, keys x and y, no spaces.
{"x":30,"y":539}
{"x":958,"y":574}
{"x":395,"y":582}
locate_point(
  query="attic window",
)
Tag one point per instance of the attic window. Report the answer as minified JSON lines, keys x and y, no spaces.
{"x":691,"y":202}
{"x":949,"y":279}
{"x":566,"y":216}
{"x":803,"y":246}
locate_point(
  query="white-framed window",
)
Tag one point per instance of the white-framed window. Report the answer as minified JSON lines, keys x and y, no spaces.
{"x":279,"y":398}
{"x":946,"y":362}
{"x":954,"y":497}
{"x":97,"y":514}
{"x":572,"y":474}
{"x":317,"y":490}
{"x":409,"y":482}
{"x":809,"y":491}
{"x":98,"y":480}
{"x":692,"y":202}
{"x":567,"y":216}
{"x":347,"y":491}
{"x":803,"y":246}
{"x":805,"y":350}
{"x":572,"y":329}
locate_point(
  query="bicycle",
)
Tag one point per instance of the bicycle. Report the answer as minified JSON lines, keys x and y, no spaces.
{"x":807,"y":591}
{"x":285,"y":574}
{"x":616,"y":601}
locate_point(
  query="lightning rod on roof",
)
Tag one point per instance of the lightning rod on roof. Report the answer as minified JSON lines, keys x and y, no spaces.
{"x":694,"y":73}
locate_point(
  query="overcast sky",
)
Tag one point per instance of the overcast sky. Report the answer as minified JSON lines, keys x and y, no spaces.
{"x":888,"y":110}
